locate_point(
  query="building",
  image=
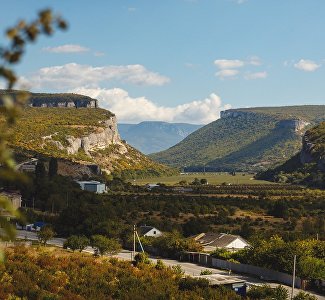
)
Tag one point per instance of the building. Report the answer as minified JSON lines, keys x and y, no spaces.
{"x":211,"y":241}
{"x":15,"y":199}
{"x":238,"y":285}
{"x":149,"y":231}
{"x":93,"y":186}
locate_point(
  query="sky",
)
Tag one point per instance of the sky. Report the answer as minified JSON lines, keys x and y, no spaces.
{"x":178,"y":60}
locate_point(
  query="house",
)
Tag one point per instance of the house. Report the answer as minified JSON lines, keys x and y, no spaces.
{"x":93,"y":186}
{"x":15,"y":199}
{"x":149,"y":231}
{"x":211,"y":241}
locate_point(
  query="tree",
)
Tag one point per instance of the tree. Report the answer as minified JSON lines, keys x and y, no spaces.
{"x":204,"y":181}
{"x":19,"y":36}
{"x":105,"y":245}
{"x":40,"y":170}
{"x":53,"y":167}
{"x":75,"y":242}
{"x":45,"y":234}
{"x":142,"y":257}
{"x":304,"y":296}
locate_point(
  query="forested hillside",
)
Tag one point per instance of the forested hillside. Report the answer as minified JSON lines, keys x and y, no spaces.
{"x":308,"y":166}
{"x":244,"y":139}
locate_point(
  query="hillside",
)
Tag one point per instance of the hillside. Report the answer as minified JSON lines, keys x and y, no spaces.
{"x":306,"y":167}
{"x":250,"y":139}
{"x":150,"y":136}
{"x":85,"y":136}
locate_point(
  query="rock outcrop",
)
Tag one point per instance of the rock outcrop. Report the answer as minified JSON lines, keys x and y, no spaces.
{"x":294,"y":124}
{"x":104,"y":136}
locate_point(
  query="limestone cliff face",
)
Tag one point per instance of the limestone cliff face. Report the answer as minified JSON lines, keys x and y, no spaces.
{"x":102,"y":138}
{"x":308,"y":155}
{"x":296,"y":125}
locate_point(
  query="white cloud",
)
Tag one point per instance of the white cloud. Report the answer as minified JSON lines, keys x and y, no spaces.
{"x":134,"y":110}
{"x":74,"y":75}
{"x":229,"y":63}
{"x":307,"y":65}
{"x":222,"y":74}
{"x":99,"y":53}
{"x":256,"y":75}
{"x":255,"y":61}
{"x":69,"y":48}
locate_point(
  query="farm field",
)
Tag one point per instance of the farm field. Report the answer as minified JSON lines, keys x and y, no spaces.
{"x":212,"y":178}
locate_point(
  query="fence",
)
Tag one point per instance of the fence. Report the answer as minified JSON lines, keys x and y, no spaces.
{"x":263,"y":273}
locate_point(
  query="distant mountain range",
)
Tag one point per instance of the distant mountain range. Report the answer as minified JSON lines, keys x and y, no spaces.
{"x":249,"y":139}
{"x":153,"y":136}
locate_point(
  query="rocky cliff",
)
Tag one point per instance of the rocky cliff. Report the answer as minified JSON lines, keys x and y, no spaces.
{"x":313,"y":147}
{"x":63,"y":100}
{"x":296,"y":124}
{"x":83,"y":136}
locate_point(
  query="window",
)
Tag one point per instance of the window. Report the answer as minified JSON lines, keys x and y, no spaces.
{"x":154,"y":232}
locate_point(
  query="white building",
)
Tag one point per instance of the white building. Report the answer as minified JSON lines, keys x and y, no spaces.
{"x":211,"y":241}
{"x":149,"y":231}
{"x":93,"y":186}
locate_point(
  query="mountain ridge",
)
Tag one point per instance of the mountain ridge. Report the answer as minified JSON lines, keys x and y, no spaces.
{"x":153,"y":136}
{"x":248,"y":139}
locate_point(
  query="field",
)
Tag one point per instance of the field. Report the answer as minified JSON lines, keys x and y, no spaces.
{"x":212,"y":178}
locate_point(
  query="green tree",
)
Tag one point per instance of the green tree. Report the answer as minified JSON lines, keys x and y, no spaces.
{"x":105,"y":245}
{"x":40,"y":172}
{"x":304,"y":296}
{"x":53,"y":167}
{"x":75,"y":242}
{"x":160,"y":265}
{"x":45,"y":234}
{"x":141,"y":257}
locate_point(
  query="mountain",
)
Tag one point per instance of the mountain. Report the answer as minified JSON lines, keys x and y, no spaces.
{"x":307,"y":166}
{"x":84,"y":138}
{"x":248,"y":139}
{"x":151,"y":136}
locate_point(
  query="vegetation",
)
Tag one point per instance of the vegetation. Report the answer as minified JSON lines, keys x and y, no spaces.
{"x":104,"y":245}
{"x":277,"y":254}
{"x":211,"y":177}
{"x":295,"y":170}
{"x":76,"y":242}
{"x":19,"y":36}
{"x":256,"y":139}
{"x":53,"y":274}
{"x":46,"y":132}
{"x":45,"y":234}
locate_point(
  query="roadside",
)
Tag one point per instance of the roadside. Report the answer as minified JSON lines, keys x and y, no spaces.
{"x":190,"y":269}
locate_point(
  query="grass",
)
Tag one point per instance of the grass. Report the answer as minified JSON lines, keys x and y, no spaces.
{"x":213,"y":178}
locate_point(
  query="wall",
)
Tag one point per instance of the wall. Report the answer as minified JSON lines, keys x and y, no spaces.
{"x":263,"y":273}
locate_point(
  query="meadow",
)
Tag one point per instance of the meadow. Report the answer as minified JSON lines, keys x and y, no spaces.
{"x":212,"y":178}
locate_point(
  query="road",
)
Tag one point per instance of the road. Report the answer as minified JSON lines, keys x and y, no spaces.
{"x":189,"y":268}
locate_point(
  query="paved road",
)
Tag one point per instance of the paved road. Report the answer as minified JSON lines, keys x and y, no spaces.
{"x":189,"y":268}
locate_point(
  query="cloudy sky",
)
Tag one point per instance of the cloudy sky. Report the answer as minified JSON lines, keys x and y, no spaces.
{"x":179,"y":60}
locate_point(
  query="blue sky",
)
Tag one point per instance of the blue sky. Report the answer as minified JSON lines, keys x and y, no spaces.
{"x":179,"y":60}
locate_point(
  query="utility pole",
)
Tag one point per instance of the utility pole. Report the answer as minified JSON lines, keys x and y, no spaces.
{"x":293,"y":275}
{"x":133,"y":241}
